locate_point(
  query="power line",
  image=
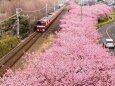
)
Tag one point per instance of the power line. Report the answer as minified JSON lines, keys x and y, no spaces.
{"x":34,"y":10}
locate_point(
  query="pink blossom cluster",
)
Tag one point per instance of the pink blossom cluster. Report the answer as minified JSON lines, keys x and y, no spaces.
{"x":74,"y":59}
{"x":94,"y":11}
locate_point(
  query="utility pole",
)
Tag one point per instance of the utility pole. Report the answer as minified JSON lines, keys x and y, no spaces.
{"x":54,"y":6}
{"x":58,"y":3}
{"x":46,"y":9}
{"x":82,"y":3}
{"x":18,"y":10}
{"x":64,"y":1}
{"x":81,"y":12}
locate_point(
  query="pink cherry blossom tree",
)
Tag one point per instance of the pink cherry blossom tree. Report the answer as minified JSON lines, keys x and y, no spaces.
{"x":74,"y":59}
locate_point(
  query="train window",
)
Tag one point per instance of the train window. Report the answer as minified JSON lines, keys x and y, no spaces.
{"x":49,"y":13}
{"x":44,"y":24}
{"x":41,"y":23}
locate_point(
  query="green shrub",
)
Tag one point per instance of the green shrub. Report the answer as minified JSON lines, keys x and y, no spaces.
{"x":113,"y":13}
{"x":103,"y":20}
{"x":7,"y":44}
{"x":111,"y":19}
{"x":11,"y":25}
{"x":24,"y":26}
{"x":8,"y":24}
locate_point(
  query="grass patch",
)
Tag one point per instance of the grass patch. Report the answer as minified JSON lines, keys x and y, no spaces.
{"x":7,"y":44}
{"x":113,"y":13}
{"x":105,"y":21}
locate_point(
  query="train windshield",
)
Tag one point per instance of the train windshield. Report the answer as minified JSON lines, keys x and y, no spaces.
{"x":41,"y":23}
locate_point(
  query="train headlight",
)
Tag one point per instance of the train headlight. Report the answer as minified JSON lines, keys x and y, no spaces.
{"x":40,"y":26}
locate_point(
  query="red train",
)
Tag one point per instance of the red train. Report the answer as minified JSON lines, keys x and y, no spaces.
{"x":45,"y":22}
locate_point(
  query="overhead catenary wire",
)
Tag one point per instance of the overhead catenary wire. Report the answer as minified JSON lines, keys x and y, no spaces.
{"x":19,"y":13}
{"x":34,"y":10}
{"x":51,"y":7}
{"x":8,"y":18}
{"x":26,"y":12}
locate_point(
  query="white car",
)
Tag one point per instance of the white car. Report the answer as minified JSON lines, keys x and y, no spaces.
{"x":108,"y":43}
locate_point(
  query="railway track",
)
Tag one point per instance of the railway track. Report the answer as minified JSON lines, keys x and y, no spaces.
{"x":12,"y":57}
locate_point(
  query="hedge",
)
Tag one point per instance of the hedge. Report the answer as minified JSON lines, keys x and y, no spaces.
{"x":24,"y":27}
{"x":8,"y":44}
{"x":111,"y":19}
{"x":113,"y":13}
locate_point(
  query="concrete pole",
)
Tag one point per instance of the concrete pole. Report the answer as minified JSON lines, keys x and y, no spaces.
{"x":57,"y":2}
{"x":82,"y":3}
{"x":81,"y":9}
{"x":18,"y":22}
{"x":54,"y":6}
{"x":46,"y":9}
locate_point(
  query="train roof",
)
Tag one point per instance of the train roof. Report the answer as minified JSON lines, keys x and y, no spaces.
{"x":47,"y":17}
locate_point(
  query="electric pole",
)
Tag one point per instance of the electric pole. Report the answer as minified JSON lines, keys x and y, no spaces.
{"x":54,"y":6}
{"x":46,"y":9}
{"x":18,"y":10}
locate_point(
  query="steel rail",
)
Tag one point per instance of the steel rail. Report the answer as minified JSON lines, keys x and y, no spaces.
{"x":12,"y":57}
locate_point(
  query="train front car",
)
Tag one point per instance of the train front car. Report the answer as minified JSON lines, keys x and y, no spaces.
{"x":45,"y":22}
{"x":41,"y":26}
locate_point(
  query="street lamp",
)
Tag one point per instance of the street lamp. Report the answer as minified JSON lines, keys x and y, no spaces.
{"x":54,"y":6}
{"x":81,"y":3}
{"x":81,"y":12}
